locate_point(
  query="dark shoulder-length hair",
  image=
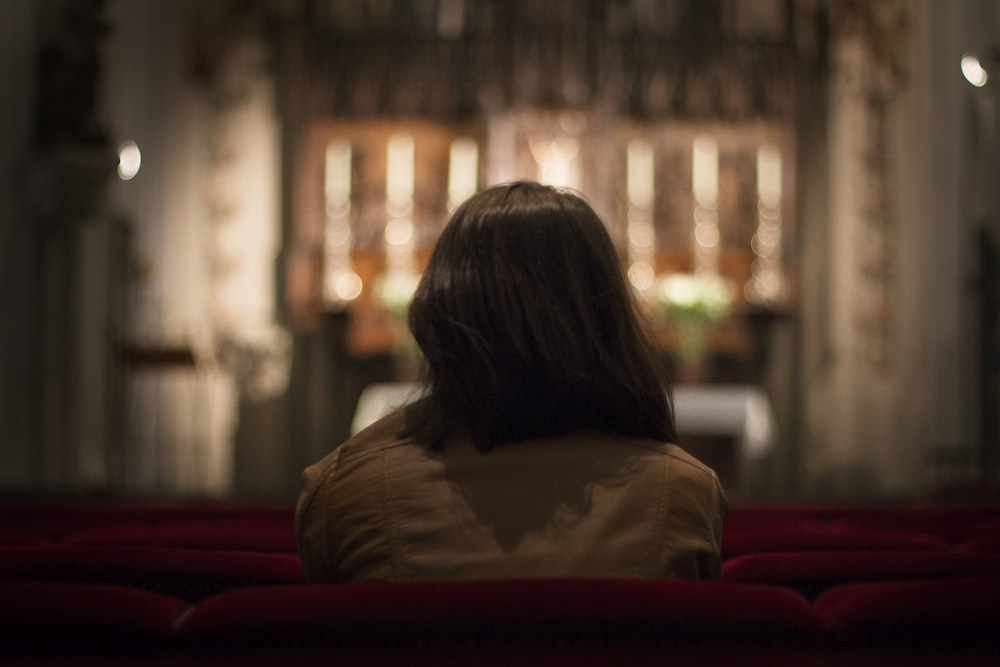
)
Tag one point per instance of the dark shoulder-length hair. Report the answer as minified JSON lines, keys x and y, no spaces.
{"x":528,"y":328}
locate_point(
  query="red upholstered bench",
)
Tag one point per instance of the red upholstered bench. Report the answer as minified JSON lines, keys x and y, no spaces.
{"x":954,"y":523}
{"x":915,"y":611}
{"x":753,"y":528}
{"x":914,"y":623}
{"x":115,"y":583}
{"x":531,"y":622}
{"x":985,"y":542}
{"x":750,"y":528}
{"x":649,"y":611}
{"x":57,"y":520}
{"x":537,"y":622}
{"x":230,"y":534}
{"x":61,"y":616}
{"x":15,"y":538}
{"x":812,"y":572}
{"x":190,"y":574}
{"x":815,"y":535}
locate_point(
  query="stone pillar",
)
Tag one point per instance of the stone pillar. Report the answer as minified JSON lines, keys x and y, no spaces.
{"x":859,"y":409}
{"x":67,"y":180}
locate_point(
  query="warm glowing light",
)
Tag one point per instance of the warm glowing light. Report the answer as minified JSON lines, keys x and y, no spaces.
{"x":769,"y":175}
{"x":463,"y":171}
{"x":705,"y":188}
{"x":766,"y":283}
{"x":641,"y":234}
{"x":555,"y":159}
{"x":973,"y":70}
{"x":640,"y":230}
{"x":129,"y":160}
{"x":399,"y":171}
{"x":641,"y":275}
{"x":340,"y":284}
{"x":768,"y":234}
{"x":707,"y":236}
{"x":338,"y":237}
{"x":640,"y":173}
{"x":705,"y":171}
{"x":347,"y":286}
{"x":398,"y":232}
{"x":338,"y":175}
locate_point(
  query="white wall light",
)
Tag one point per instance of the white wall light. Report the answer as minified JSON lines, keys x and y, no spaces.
{"x":974,"y":71}
{"x":129,"y":160}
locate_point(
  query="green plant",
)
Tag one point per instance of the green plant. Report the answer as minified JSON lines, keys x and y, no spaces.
{"x":692,"y":303}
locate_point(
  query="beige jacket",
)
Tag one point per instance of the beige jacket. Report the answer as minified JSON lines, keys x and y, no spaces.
{"x":588,"y":505}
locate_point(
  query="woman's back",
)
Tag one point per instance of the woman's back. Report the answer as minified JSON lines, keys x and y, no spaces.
{"x":536,"y":449}
{"x":580,"y":505}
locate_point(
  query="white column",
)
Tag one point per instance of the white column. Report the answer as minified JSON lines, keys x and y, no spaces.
{"x":463,"y":171}
{"x":641,"y":233}
{"x":767,"y":283}
{"x":399,"y":241}
{"x":341,"y":284}
{"x":705,"y":188}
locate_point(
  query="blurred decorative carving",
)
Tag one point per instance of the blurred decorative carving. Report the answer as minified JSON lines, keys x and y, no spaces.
{"x":876,"y":75}
{"x":227,"y":48}
{"x":68,"y":178}
{"x":685,"y":59}
{"x":69,"y":72}
{"x":69,"y":182}
{"x":230,"y":60}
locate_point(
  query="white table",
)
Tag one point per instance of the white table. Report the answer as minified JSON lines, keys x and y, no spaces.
{"x":739,"y":411}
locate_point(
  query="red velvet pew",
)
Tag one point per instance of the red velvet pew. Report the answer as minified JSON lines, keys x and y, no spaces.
{"x":544,"y":622}
{"x":189,"y":574}
{"x":213,"y":583}
{"x":812,"y":572}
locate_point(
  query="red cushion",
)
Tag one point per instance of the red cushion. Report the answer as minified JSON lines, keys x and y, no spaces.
{"x":933,"y":611}
{"x":950,"y":523}
{"x":190,"y":574}
{"x":814,"y":535}
{"x":55,"y":614}
{"x":988,"y":542}
{"x":12,"y":538}
{"x":59,"y":519}
{"x":231,"y":535}
{"x":671,"y":611}
{"x":812,"y":572}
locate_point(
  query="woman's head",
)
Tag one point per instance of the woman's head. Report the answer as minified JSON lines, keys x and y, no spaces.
{"x":528,"y":328}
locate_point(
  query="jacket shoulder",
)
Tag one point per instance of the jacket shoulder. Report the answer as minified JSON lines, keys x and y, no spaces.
{"x":686,"y":462}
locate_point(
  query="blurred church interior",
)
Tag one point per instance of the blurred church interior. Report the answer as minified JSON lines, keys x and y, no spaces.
{"x":213,"y":215}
